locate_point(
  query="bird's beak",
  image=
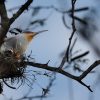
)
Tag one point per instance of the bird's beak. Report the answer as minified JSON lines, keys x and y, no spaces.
{"x":36,"y":33}
{"x":29,"y":35}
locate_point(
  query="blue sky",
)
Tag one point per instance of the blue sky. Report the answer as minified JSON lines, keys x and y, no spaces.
{"x":48,"y":46}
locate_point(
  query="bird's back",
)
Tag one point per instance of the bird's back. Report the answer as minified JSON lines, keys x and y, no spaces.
{"x":17,"y":44}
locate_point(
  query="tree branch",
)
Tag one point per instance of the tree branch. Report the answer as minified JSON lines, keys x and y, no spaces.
{"x":79,"y":56}
{"x":85,"y":73}
{"x":55,"y":69}
{"x":20,"y":11}
{"x":66,"y":56}
{"x":3,"y":13}
{"x":4,"y":21}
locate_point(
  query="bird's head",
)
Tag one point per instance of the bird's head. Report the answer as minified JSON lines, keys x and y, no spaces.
{"x":29,"y":35}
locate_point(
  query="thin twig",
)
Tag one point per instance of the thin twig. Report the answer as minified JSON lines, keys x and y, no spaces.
{"x":73,"y":30}
{"x":87,"y":71}
{"x":80,"y":56}
{"x":8,"y":84}
{"x":66,"y":56}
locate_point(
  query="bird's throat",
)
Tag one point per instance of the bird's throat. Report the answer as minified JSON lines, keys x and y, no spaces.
{"x":29,"y":37}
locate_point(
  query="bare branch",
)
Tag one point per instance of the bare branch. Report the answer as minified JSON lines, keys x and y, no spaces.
{"x":85,"y":73}
{"x":20,"y":11}
{"x":73,"y":30}
{"x":88,"y":86}
{"x":31,"y":97}
{"x":3,"y":13}
{"x":80,"y":56}
{"x":79,"y":19}
{"x":66,"y":56}
{"x":54,"y":69}
{"x":64,"y":21}
{"x":4,"y":21}
{"x":79,"y":9}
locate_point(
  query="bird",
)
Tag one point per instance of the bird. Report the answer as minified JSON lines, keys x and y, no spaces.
{"x":18,"y":44}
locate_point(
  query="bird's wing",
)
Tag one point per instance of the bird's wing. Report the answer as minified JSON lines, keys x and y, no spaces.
{"x":9,"y":39}
{"x":9,"y":44}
